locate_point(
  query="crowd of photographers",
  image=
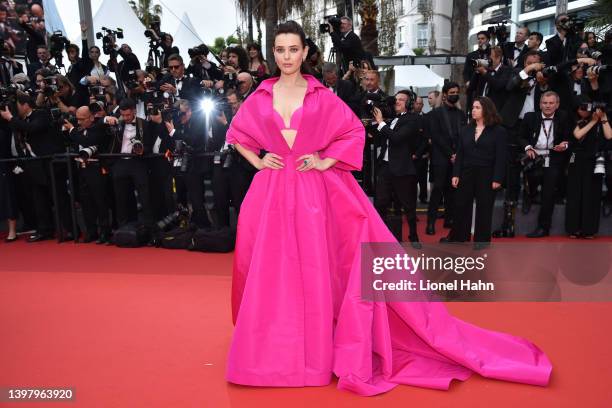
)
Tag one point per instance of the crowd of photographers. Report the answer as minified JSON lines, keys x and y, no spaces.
{"x":143,"y":145}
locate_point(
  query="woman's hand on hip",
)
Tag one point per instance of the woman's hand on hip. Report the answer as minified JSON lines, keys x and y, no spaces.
{"x":271,"y":161}
{"x":312,"y":161}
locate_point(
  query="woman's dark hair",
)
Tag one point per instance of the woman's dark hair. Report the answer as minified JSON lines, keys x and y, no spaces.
{"x":257,"y":47}
{"x":291,"y":27}
{"x":489,"y":111}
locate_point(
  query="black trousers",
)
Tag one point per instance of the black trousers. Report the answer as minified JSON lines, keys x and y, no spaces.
{"x":583,"y":197}
{"x":94,"y":199}
{"x":474,"y":184}
{"x":421,"y":166}
{"x":441,"y":187}
{"x":403,"y":187}
{"x":25,"y":199}
{"x":160,"y":186}
{"x":194,"y":181}
{"x":42,"y":194}
{"x":547,"y":178}
{"x":230,"y":185}
{"x":129,"y":175}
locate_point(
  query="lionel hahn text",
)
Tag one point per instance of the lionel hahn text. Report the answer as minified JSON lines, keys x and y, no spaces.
{"x":433,"y":286}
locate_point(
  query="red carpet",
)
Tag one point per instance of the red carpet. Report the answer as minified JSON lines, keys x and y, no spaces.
{"x":151,"y":328}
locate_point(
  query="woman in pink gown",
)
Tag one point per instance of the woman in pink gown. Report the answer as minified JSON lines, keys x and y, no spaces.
{"x":296,"y":295}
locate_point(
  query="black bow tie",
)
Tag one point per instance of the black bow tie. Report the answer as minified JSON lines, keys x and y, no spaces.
{"x":518,"y":49}
{"x":547,"y":118}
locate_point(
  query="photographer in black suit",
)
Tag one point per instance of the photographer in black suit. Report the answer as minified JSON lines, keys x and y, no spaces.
{"x":132,"y":136}
{"x":35,"y":136}
{"x":396,"y":170}
{"x":232,"y":174}
{"x":483,"y":52}
{"x":514,"y":52}
{"x":445,"y":125}
{"x":191,"y":140}
{"x":478,"y":173}
{"x":523,"y":92}
{"x":563,"y":45}
{"x":346,"y":42}
{"x":344,"y":89}
{"x":89,"y":138}
{"x":545,"y":139}
{"x":179,"y":84}
{"x":490,"y":80}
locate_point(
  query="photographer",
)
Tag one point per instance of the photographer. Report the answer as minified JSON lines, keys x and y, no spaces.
{"x":245,"y":84}
{"x":586,"y":170}
{"x":89,"y":138}
{"x":445,"y":125}
{"x":56,"y":91}
{"x":36,"y":36}
{"x":490,"y":79}
{"x":178,"y":84}
{"x":35,"y":138}
{"x":122,"y":69}
{"x":514,"y":52}
{"x":232,"y":173}
{"x":132,"y":136}
{"x":545,"y":138}
{"x":93,"y":69}
{"x":344,"y":89}
{"x":396,"y":170}
{"x":42,"y":61}
{"x":9,"y":67}
{"x":190,"y":136}
{"x":346,"y":43}
{"x":481,"y":53}
{"x":571,"y":81}
{"x":201,"y":68}
{"x":167,"y":48}
{"x":563,"y":45}
{"x":524,"y":90}
{"x":258,"y":67}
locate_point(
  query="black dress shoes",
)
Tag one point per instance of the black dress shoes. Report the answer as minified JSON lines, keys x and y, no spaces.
{"x":36,"y":237}
{"x":104,"y":239}
{"x":538,"y":233}
{"x":431,"y":229}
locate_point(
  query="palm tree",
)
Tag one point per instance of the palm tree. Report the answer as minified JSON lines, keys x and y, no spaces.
{"x":368,"y":11}
{"x":146,"y":11}
{"x":601,"y":15}
{"x":269,"y":11}
{"x":459,"y":36}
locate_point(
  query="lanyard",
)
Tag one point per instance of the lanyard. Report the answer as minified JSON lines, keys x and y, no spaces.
{"x":547,"y":132}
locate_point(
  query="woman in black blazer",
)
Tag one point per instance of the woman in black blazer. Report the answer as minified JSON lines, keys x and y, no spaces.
{"x":478,"y":172}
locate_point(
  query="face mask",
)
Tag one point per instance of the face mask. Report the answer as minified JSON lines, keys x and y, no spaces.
{"x":452,"y":99}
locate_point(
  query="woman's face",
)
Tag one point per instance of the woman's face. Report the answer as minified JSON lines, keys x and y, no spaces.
{"x":253,"y":53}
{"x":591,"y":40}
{"x":289,"y":52}
{"x":477,"y":110}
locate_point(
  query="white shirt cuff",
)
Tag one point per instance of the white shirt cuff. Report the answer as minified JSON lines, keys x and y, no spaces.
{"x":523,"y":74}
{"x":382,"y":125}
{"x":528,"y":147}
{"x":172,"y":133}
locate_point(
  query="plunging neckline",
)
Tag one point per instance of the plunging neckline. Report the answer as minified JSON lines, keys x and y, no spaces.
{"x":290,"y":121}
{"x":290,"y":118}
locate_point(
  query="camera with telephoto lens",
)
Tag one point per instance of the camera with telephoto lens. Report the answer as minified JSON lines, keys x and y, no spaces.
{"x":600,"y":164}
{"x":8,"y":95}
{"x":177,"y":218}
{"x":597,"y":69}
{"x":572,"y":24}
{"x":547,"y":72}
{"x":51,"y":86}
{"x":70,"y":117}
{"x":137,"y":146}
{"x":375,"y":100}
{"x":57,"y":44}
{"x":593,"y":106}
{"x":109,"y":38}
{"x":334,"y":20}
{"x":87,"y":153}
{"x":595,"y":54}
{"x":530,"y":164}
{"x":499,"y":32}
{"x":132,"y":80}
{"x":481,"y":62}
{"x":201,"y":49}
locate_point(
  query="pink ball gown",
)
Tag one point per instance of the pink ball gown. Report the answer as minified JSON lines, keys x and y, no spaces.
{"x":296,"y":299}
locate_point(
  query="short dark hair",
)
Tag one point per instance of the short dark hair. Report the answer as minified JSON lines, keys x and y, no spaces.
{"x":72,"y":47}
{"x":41,"y":46}
{"x":532,"y":52}
{"x":24,"y":98}
{"x":485,"y":33}
{"x":94,"y":46}
{"x":127,"y":103}
{"x":489,"y":112}
{"x":538,"y":35}
{"x":450,"y":85}
{"x":175,"y":57}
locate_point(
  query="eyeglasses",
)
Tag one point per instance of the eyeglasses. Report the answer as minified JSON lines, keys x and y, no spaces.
{"x":171,"y":67}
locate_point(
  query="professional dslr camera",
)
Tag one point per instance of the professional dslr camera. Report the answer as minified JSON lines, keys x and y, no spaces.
{"x":51,"y":86}
{"x":334,"y":20}
{"x":98,"y":92}
{"x":374,"y":100}
{"x":593,"y":106}
{"x":108,"y":39}
{"x":57,"y":44}
{"x":499,"y":32}
{"x":481,"y":62}
{"x":530,"y":164}
{"x":7,"y":95}
{"x":572,"y":24}
{"x":201,"y":49}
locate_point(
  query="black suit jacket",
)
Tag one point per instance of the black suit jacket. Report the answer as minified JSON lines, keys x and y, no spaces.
{"x":508,"y":49}
{"x":43,"y":138}
{"x":405,"y":139}
{"x":488,"y":151}
{"x":146,"y":132}
{"x":443,"y":141}
{"x":557,"y":52}
{"x":517,"y":91}
{"x":190,"y":89}
{"x":349,"y":47}
{"x":194,"y":134}
{"x":346,"y":91}
{"x":468,"y":67}
{"x":530,"y":131}
{"x":495,"y":82}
